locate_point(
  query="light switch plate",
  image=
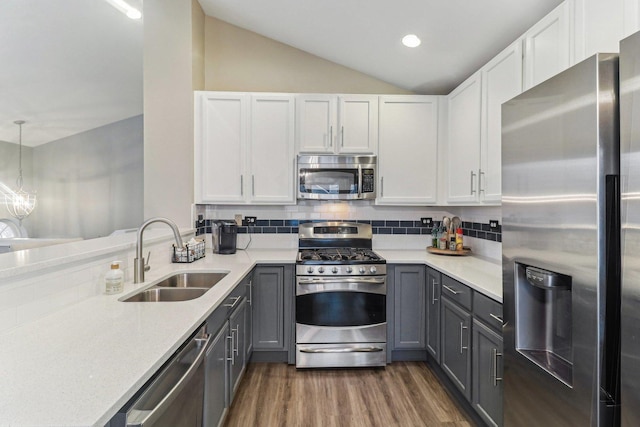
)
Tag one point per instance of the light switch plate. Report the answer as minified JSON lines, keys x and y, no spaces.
{"x":238,"y":218}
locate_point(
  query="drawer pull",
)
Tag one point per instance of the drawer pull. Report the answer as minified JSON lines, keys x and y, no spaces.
{"x":453,"y":291}
{"x":495,"y":356}
{"x":498,"y":318}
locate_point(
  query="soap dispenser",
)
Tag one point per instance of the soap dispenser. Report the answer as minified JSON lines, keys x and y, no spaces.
{"x":114,"y":279}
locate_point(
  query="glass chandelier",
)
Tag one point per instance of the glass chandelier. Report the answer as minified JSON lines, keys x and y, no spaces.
{"x":20,"y":203}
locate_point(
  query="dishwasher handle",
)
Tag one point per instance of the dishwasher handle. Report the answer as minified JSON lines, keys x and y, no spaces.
{"x":154,"y":413}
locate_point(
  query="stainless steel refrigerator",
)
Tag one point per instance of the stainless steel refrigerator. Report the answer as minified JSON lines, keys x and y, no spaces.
{"x":561,"y":256}
{"x":630,"y":209}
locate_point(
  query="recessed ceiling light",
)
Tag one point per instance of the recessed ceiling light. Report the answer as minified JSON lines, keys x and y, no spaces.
{"x":411,"y":40}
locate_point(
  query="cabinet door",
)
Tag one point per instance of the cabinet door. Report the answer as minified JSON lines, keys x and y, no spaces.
{"x":271,"y":149}
{"x":316,"y":128}
{"x":487,"y":374}
{"x":216,"y":379}
{"x":599,"y":27}
{"x":408,"y":148}
{"x":547,"y":46}
{"x":238,"y":361}
{"x":409,"y":307}
{"x":268,"y":313}
{"x":501,"y":81}
{"x":433,"y":313}
{"x":220,"y":137}
{"x":463,"y":153}
{"x":358,"y":124}
{"x":455,"y":356}
{"x":249,"y":318}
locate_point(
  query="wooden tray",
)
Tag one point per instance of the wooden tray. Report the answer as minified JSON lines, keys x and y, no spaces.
{"x":465,"y":251}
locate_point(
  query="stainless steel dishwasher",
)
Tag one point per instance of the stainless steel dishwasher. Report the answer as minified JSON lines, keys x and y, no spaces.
{"x":175,"y":397}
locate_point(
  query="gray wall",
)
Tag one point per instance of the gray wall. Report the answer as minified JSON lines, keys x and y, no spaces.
{"x":89,"y":184}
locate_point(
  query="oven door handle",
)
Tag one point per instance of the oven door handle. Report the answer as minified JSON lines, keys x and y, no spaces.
{"x":322,"y":280}
{"x":342,"y":350}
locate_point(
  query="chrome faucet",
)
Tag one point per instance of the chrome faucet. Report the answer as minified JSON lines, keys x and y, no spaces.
{"x":139,"y":266}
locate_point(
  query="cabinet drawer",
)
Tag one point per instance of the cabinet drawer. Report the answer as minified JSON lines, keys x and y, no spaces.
{"x":488,"y":311}
{"x":456,"y":291}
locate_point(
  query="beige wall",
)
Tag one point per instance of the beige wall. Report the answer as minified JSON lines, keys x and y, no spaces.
{"x":240,"y":60}
{"x":168,"y":110}
{"x":197,"y":19}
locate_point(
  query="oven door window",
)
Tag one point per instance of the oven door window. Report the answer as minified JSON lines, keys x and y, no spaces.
{"x":328,"y":181}
{"x":341,"y":309}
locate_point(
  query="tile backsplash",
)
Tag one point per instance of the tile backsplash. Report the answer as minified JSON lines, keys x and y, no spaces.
{"x":399,"y":227}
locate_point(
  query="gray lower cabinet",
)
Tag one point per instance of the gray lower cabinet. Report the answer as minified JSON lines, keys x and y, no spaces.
{"x":487,"y":374}
{"x":226,"y":357}
{"x":409,"y":307}
{"x":433,"y":313}
{"x":455,"y":354}
{"x":237,"y":351}
{"x":248,"y":282}
{"x":215,"y":383}
{"x":268,"y":308}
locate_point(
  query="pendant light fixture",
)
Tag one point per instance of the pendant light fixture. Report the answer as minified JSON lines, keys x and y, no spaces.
{"x":20,"y":203}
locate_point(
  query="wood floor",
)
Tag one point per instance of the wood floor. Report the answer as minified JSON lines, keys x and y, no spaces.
{"x":402,"y":394}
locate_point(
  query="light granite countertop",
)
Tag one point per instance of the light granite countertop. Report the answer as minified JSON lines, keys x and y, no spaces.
{"x":79,"y":366}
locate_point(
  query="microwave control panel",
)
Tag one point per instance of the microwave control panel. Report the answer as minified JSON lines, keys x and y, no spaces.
{"x":368,"y":178}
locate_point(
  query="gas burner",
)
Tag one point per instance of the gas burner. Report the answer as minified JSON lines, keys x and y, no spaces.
{"x":338,"y":255}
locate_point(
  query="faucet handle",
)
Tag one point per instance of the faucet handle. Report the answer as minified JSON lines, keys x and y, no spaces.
{"x":147,"y":267}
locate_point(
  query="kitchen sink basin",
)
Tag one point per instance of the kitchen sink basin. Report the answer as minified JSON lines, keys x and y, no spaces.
{"x":178,"y":287}
{"x":166,"y":294}
{"x":191,"y":280}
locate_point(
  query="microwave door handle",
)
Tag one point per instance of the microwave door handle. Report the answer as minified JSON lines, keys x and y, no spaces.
{"x":359,"y":181}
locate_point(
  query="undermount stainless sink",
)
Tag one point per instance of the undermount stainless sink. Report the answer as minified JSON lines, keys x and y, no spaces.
{"x":191,"y":280}
{"x":178,"y":287}
{"x":166,"y":294}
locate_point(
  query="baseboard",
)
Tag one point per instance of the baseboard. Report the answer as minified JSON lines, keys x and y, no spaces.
{"x":269,"y":357}
{"x":408,"y":356}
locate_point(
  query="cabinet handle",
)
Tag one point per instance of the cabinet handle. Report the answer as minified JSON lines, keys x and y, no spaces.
{"x":241,"y":185}
{"x":498,"y":318}
{"x":250,"y":285}
{"x":472,"y":189}
{"x":453,"y":291}
{"x":235,"y":301}
{"x":331,"y":136}
{"x":253,"y":185}
{"x":230,"y":359}
{"x":382,"y":186}
{"x":494,"y":357}
{"x":480,"y":175}
{"x":237,"y":341}
{"x":433,"y":292}
{"x":342,"y":136}
{"x":462,"y":328}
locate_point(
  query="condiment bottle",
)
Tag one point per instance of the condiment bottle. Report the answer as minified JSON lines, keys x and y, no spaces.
{"x":459,"y":244}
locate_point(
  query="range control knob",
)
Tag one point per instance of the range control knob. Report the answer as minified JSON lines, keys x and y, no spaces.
{"x":309,"y":270}
{"x":321,"y":270}
{"x":373,"y":270}
{"x":334,"y":270}
{"x":349,"y":270}
{"x":362,"y":270}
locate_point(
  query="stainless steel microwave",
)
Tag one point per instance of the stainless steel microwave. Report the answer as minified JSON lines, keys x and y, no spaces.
{"x":336,"y":177}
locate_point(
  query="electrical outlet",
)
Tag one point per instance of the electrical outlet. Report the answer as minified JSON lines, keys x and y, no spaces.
{"x":426,"y":222}
{"x":250,"y":220}
{"x":493,"y":224}
{"x":200,"y":222}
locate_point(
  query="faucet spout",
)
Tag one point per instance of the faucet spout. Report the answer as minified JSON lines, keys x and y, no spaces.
{"x":139,"y":266}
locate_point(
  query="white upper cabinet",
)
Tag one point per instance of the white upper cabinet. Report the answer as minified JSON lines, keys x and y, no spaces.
{"x":337,"y":124}
{"x":463,"y":144}
{"x":220,"y":140}
{"x":271,"y":149}
{"x":244,"y":148}
{"x":408,"y":147}
{"x":501,"y":81}
{"x":548,"y":46}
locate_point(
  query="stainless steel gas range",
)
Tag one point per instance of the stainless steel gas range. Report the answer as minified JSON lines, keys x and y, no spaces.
{"x":341,"y":294}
